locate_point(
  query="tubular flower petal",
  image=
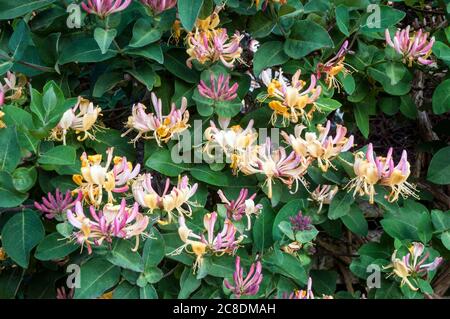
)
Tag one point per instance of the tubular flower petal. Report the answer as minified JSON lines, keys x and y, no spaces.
{"x":103,"y":8}
{"x":113,"y":221}
{"x":159,"y":6}
{"x":276,"y":164}
{"x":333,"y":67}
{"x":96,"y":178}
{"x":81,"y":118}
{"x":224,"y":242}
{"x":290,"y":100}
{"x":235,"y":143}
{"x":412,"y":265}
{"x":13,"y":87}
{"x":300,"y":222}
{"x":171,"y":201}
{"x":371,"y":170}
{"x":158,"y":126}
{"x":56,"y":206}
{"x":413,"y":47}
{"x":248,"y":285}
{"x":220,"y":91}
{"x":304,"y":294}
{"x":323,"y":148}
{"x":324,"y":194}
{"x":242,"y":206}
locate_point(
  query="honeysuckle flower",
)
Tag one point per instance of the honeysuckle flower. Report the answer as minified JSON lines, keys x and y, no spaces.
{"x":324,"y":194}
{"x":253,"y":45}
{"x":300,"y":222}
{"x":323,"y":147}
{"x":82,"y":118}
{"x":301,"y":294}
{"x":2,"y":124}
{"x":266,"y":2}
{"x":212,"y":46}
{"x":396,"y":177}
{"x":2,"y":254}
{"x":235,"y":142}
{"x":103,"y":8}
{"x":371,"y":170}
{"x":112,"y":221}
{"x":413,"y":47}
{"x":158,"y":6}
{"x":276,"y":164}
{"x":412,"y":266}
{"x":290,"y":100}
{"x":96,"y":178}
{"x":158,"y":126}
{"x":333,"y":67}
{"x":248,"y":285}
{"x":13,"y":86}
{"x":220,"y":91}
{"x":224,"y":242}
{"x":176,"y":200}
{"x":243,"y":205}
{"x":58,"y":204}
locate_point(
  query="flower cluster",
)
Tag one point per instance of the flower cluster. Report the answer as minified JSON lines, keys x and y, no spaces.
{"x":324,"y":194}
{"x":415,"y":47}
{"x":175,"y":200}
{"x":220,"y":91}
{"x":81,"y":118}
{"x":322,"y":148}
{"x":290,"y":100}
{"x":103,"y":8}
{"x":159,"y":6}
{"x":158,"y":126}
{"x":248,"y":285}
{"x":333,"y":67}
{"x":13,"y":87}
{"x":300,"y":222}
{"x":224,"y":242}
{"x":412,"y":265}
{"x":113,"y":221}
{"x":243,"y":205}
{"x":56,"y":206}
{"x":96,"y":178}
{"x":209,"y":44}
{"x":304,"y":294}
{"x":371,"y":170}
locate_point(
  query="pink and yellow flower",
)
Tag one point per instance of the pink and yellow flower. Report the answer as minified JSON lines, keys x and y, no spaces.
{"x":333,"y":67}
{"x":158,"y":126}
{"x":224,"y":242}
{"x":113,"y":221}
{"x":323,"y":147}
{"x":159,"y":6}
{"x":96,"y":178}
{"x":56,"y":206}
{"x":176,"y":200}
{"x":220,"y":91}
{"x":413,"y":47}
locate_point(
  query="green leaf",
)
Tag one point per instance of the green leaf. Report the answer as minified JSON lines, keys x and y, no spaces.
{"x":9,"y":196}
{"x":342,"y":19}
{"x":355,"y":221}
{"x":153,"y":274}
{"x":362,"y":118}
{"x":286,"y":265}
{"x":10,"y":281}
{"x":5,"y":66}
{"x":122,"y":255}
{"x":148,"y":292}
{"x":340,"y":205}
{"x":161,"y":161}
{"x":21,"y":233}
{"x":379,"y":22}
{"x":19,"y":40}
{"x":260,"y":25}
{"x":188,"y":10}
{"x":96,"y":276}
{"x":204,"y":174}
{"x":188,"y":283}
{"x":262,"y":228}
{"x":144,"y":33}
{"x":49,"y":107}
{"x":290,"y":209}
{"x":10,"y":151}
{"x":324,"y":281}
{"x":54,"y":247}
{"x":269,"y":54}
{"x":300,"y":43}
{"x":439,"y":169}
{"x":106,"y":82}
{"x":112,"y":138}
{"x":305,"y":236}
{"x":59,"y":155}
{"x":408,"y":223}
{"x":104,"y":38}
{"x":125,"y":290}
{"x":154,"y":249}
{"x":84,"y":50}
{"x":145,"y":75}
{"x":327,"y":105}
{"x":24,"y":178}
{"x":152,"y":52}
{"x":441,"y":98}
{"x":408,"y":107}
{"x":17,"y":8}
{"x":174,"y":61}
